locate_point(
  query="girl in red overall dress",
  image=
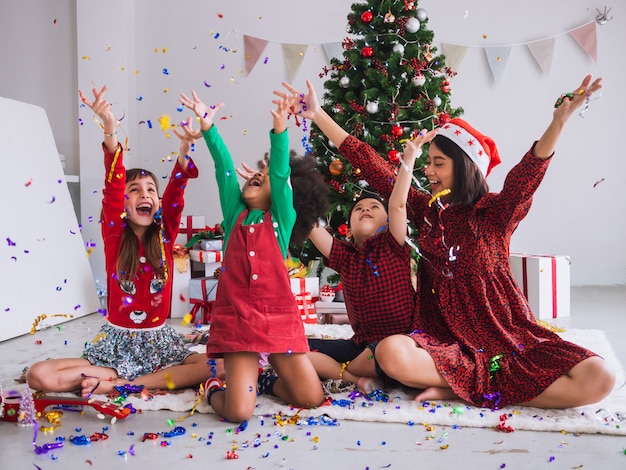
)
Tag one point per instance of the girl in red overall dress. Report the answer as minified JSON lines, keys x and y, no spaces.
{"x":255,"y":310}
{"x":475,"y":336}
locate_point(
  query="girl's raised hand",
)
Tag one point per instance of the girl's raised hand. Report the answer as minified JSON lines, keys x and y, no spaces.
{"x":187,"y":137}
{"x":246,"y":173}
{"x":283,"y":107}
{"x":100,"y":106}
{"x":205,"y":114}
{"x":307,"y":105}
{"x":567,"y":103}
{"x":413,"y":147}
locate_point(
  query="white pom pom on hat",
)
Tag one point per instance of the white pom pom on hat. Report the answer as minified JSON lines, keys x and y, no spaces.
{"x":480,"y":148}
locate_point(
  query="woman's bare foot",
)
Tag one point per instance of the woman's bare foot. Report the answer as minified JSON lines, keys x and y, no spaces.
{"x":436,"y":393}
{"x":94,"y":385}
{"x":369,"y":384}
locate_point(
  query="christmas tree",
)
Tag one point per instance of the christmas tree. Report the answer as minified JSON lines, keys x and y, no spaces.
{"x":389,"y":84}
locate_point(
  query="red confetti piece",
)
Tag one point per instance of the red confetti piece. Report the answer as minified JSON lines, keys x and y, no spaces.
{"x":30,"y":181}
{"x":54,"y":22}
{"x":601,"y":180}
{"x":219,"y":15}
{"x":182,"y":298}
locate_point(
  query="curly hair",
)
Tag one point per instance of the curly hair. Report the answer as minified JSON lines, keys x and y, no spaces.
{"x":310,"y":195}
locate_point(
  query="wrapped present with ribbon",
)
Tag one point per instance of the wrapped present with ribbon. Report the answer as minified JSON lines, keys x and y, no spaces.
{"x":306,"y":285}
{"x":202,"y":291}
{"x":189,"y":226}
{"x":306,"y":307}
{"x":211,"y":239}
{"x":211,"y":261}
{"x":545,"y":282}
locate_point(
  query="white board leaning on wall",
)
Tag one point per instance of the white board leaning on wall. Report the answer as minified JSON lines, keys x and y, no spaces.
{"x":44,"y":269}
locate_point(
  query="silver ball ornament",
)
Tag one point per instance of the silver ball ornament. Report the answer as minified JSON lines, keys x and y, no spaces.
{"x":437,"y":101}
{"x":422,"y":15}
{"x":398,"y":48}
{"x":344,"y":82}
{"x":412,"y":25}
{"x":371,"y":107}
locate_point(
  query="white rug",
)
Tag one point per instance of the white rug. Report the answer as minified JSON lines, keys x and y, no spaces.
{"x":603,"y":418}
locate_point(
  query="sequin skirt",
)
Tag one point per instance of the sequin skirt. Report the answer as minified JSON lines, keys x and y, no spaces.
{"x":133,"y":353}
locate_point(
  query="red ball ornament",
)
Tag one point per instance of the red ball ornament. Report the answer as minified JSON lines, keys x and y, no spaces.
{"x":397,"y":131}
{"x":367,"y":16}
{"x":443,"y":118}
{"x":367,"y":52}
{"x":393,"y":156}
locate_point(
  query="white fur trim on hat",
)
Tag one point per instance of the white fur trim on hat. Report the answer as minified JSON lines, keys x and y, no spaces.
{"x":468,"y":143}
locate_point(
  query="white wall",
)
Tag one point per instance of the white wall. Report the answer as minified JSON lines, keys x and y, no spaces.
{"x":569,"y":216}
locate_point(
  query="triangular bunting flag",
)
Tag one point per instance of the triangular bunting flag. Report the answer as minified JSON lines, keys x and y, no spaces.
{"x":333,"y":50}
{"x":585,"y":36}
{"x":294,"y":55}
{"x":252,"y":48}
{"x":497,"y":57}
{"x":542,"y":51}
{"x":454,"y":55}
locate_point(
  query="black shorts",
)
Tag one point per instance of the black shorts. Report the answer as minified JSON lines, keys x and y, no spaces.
{"x":342,"y":350}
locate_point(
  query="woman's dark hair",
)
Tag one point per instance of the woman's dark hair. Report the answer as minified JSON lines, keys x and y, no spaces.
{"x":128,"y":255}
{"x":469,"y":183}
{"x":310,"y":195}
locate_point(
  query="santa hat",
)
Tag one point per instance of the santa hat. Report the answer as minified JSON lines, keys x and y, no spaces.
{"x":480,"y":148}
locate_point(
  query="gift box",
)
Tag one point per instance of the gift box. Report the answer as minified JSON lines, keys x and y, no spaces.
{"x":202,"y":291}
{"x":306,"y":284}
{"x":180,"y":283}
{"x":306,"y":307}
{"x":331,"y":312}
{"x":209,"y":261}
{"x":210,"y":244}
{"x":188,"y":227}
{"x":545,"y":282}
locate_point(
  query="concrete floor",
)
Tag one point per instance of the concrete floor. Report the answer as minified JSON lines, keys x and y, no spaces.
{"x":263,"y":445}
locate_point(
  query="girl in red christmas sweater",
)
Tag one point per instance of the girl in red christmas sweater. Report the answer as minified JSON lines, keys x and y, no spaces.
{"x":138,"y":229}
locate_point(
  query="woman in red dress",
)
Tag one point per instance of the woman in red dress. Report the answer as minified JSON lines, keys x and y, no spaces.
{"x":475,"y":336}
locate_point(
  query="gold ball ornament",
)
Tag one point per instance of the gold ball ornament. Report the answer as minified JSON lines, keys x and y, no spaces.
{"x":336,"y":167}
